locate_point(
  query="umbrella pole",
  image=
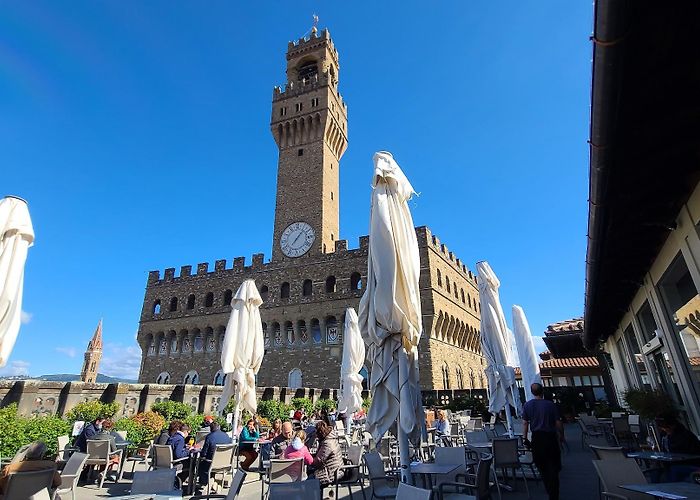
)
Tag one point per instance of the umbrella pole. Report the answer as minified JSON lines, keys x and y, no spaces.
{"x":404,"y":459}
{"x":237,"y":409}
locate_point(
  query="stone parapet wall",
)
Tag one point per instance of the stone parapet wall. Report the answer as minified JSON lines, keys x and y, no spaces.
{"x":39,"y":397}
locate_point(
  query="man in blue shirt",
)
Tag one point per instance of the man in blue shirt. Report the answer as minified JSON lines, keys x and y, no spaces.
{"x":88,"y":432}
{"x":542,"y":418}
{"x":216,"y":436}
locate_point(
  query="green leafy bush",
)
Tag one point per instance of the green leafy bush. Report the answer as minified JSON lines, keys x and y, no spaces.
{"x":46,"y":429}
{"x":649,"y":404}
{"x":172,"y":410}
{"x":271,"y":410}
{"x":16,"y":431}
{"x":303,"y":404}
{"x":88,"y":411}
{"x":326,"y":405}
{"x":366,"y":403}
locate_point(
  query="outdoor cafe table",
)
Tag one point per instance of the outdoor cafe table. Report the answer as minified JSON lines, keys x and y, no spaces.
{"x":428,"y":471}
{"x":665,"y":490}
{"x":194,"y":463}
{"x":124,"y":446}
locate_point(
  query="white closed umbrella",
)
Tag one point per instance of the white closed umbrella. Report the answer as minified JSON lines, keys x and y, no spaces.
{"x":529,"y":363}
{"x":390,"y":310}
{"x":350,"y":399}
{"x":16,"y":236}
{"x":500,"y":374}
{"x":243,"y":350}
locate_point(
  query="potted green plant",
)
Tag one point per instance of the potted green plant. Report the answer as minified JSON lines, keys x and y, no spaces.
{"x":649,"y":404}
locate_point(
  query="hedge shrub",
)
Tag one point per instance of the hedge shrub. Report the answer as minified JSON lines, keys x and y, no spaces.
{"x":172,"y":410}
{"x":141,"y":428}
{"x":88,"y":411}
{"x":303,"y":404}
{"x":271,"y":410}
{"x":16,"y":431}
{"x":326,"y":405}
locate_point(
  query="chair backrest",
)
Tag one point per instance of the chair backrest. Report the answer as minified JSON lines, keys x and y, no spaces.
{"x":505,"y":451}
{"x":620,"y":425}
{"x":452,"y":455}
{"x":355,"y":454}
{"x":614,"y":472}
{"x":601,"y":440}
{"x":588,"y":420}
{"x":201,"y":436}
{"x":75,"y":464}
{"x":223,"y":456}
{"x":340,"y":426}
{"x":286,"y":470}
{"x":633,"y":419}
{"x":236,"y":484}
{"x":162,"y":456}
{"x":63,"y":443}
{"x":375,"y":466}
{"x":384,"y":446}
{"x":98,"y":448}
{"x":617,"y":414}
{"x":25,"y":485}
{"x":483,"y":470}
{"x":153,"y":481}
{"x":407,"y":492}
{"x":303,"y":490}
{"x":474,"y":437}
{"x":19,"y":456}
{"x":608,"y":452}
{"x":582,"y":425}
{"x":122,"y":435}
{"x":454,"y":429}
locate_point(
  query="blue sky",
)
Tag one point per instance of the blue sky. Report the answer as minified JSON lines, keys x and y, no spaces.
{"x":135,"y":129}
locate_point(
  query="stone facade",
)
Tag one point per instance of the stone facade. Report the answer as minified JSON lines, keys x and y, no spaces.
{"x":184,"y":316}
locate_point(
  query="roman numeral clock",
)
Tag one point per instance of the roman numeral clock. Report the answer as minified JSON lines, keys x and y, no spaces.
{"x":297,"y":239}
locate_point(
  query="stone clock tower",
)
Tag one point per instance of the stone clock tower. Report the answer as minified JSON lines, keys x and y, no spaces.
{"x":309,"y":124}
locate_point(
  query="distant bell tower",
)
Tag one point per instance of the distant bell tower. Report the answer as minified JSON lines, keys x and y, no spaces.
{"x":309,"y":124}
{"x":92,"y":357}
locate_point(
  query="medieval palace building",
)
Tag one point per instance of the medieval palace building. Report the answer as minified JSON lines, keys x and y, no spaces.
{"x":312,"y":276}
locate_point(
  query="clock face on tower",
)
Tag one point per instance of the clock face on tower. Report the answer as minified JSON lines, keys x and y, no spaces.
{"x":297,"y":239}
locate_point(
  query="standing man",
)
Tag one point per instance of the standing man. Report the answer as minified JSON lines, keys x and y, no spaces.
{"x":542,"y":418}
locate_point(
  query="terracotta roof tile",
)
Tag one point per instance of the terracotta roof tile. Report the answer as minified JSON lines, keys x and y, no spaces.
{"x":566,"y":326}
{"x":579,"y":362}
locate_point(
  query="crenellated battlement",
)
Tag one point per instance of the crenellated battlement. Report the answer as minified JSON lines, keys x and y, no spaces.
{"x":435,"y":243}
{"x":296,"y":48}
{"x":238,"y":264}
{"x":293,"y":89}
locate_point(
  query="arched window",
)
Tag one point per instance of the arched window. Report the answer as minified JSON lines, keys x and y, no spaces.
{"x":284,"y":290}
{"x":198,"y":343}
{"x":303,"y":332}
{"x":306,"y":288}
{"x":209,"y":299}
{"x":355,"y":281}
{"x":289,"y":331}
{"x":460,"y":378}
{"x":173,"y":304}
{"x":163,"y":378}
{"x":228,"y":296}
{"x":219,"y":378}
{"x":192,"y":377}
{"x":190,"y":301}
{"x":156,"y":307}
{"x":456,"y":294}
{"x":462,"y":293}
{"x":447,"y":284}
{"x":330,"y":284}
{"x":472,"y":378}
{"x":266,"y":335}
{"x":445,"y":376}
{"x":469,"y":299}
{"x":316,"y":331}
{"x":264,"y":292}
{"x":294,"y":379}
{"x":307,"y":71}
{"x":277,"y":332}
{"x":439,"y":277}
{"x":173,"y":344}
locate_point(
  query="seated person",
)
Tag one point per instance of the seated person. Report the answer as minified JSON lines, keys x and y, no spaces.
{"x":329,"y":457}
{"x":165,"y":434}
{"x":33,"y":461}
{"x":281,"y":442}
{"x":275,"y":430}
{"x":88,"y":432}
{"x":297,"y":448}
{"x":678,"y":439}
{"x":216,"y":436}
{"x":105,"y":434}
{"x":249,"y":436}
{"x":206,"y":424}
{"x":180,"y":451}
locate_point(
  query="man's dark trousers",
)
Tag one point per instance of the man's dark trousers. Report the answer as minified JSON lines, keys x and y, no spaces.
{"x":547,"y":457}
